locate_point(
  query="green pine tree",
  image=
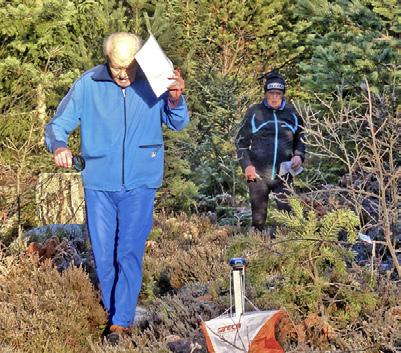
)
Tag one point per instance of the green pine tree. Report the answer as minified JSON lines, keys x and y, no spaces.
{"x":348,"y":41}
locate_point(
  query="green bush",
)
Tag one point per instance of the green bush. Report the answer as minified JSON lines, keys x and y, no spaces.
{"x":305,"y":270}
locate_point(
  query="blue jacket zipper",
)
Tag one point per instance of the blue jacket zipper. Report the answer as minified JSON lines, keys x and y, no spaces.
{"x":275,"y":145}
{"x":125,"y":134}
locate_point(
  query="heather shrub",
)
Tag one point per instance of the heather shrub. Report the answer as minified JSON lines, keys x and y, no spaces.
{"x":186,"y":281}
{"x":185,"y":249}
{"x":141,"y":343}
{"x":171,"y":324}
{"x":43,"y":310}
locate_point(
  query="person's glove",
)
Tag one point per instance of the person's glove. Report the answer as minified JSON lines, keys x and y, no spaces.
{"x":250,"y":173}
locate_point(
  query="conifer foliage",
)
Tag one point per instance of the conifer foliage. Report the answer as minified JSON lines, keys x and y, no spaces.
{"x":348,"y":40}
{"x":307,"y":269}
{"x":314,"y":260}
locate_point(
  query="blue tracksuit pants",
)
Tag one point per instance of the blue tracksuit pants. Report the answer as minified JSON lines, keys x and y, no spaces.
{"x":119,"y":224}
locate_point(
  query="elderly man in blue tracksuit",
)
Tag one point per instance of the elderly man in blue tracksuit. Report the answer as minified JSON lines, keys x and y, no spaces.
{"x":271,"y":133}
{"x":121,"y":141}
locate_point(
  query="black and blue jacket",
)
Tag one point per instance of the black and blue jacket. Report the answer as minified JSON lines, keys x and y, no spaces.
{"x":268,"y":137}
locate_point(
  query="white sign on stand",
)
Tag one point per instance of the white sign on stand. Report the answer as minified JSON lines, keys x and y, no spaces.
{"x":238,"y":293}
{"x":242,"y":332}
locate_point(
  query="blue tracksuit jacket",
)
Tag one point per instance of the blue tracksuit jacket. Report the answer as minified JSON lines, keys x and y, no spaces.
{"x":121,"y":130}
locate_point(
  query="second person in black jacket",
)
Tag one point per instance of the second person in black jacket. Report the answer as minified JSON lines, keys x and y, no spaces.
{"x":271,"y":133}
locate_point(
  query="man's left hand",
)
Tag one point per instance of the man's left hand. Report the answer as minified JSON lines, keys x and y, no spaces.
{"x":296,"y":162}
{"x":177,"y":87}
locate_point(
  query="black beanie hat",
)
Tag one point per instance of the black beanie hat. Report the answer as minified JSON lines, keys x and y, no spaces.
{"x":274,"y":81}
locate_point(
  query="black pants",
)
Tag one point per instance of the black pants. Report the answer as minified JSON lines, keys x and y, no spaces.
{"x":259,"y":191}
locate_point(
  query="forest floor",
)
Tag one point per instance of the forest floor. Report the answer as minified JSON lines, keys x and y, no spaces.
{"x":48,"y":304}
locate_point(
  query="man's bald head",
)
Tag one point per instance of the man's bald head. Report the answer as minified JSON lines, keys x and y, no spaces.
{"x":120,"y":49}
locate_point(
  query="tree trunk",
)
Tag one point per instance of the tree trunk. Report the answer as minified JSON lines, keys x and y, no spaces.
{"x":41,"y":111}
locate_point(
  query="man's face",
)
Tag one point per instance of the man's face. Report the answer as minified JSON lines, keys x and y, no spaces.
{"x":122,"y":68}
{"x":274,"y":98}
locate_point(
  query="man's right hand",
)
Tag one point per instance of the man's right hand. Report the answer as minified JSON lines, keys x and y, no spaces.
{"x":63,"y":157}
{"x":250,"y":173}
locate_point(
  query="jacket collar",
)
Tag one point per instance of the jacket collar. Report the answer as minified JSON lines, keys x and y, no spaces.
{"x":101,"y":73}
{"x":282,"y":106}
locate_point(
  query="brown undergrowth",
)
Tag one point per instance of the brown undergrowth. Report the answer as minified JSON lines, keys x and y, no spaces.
{"x":42,"y":310}
{"x":185,"y":282}
{"x":184,"y":249}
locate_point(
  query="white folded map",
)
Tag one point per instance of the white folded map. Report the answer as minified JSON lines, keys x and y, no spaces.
{"x":285,"y":167}
{"x":156,"y":66}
